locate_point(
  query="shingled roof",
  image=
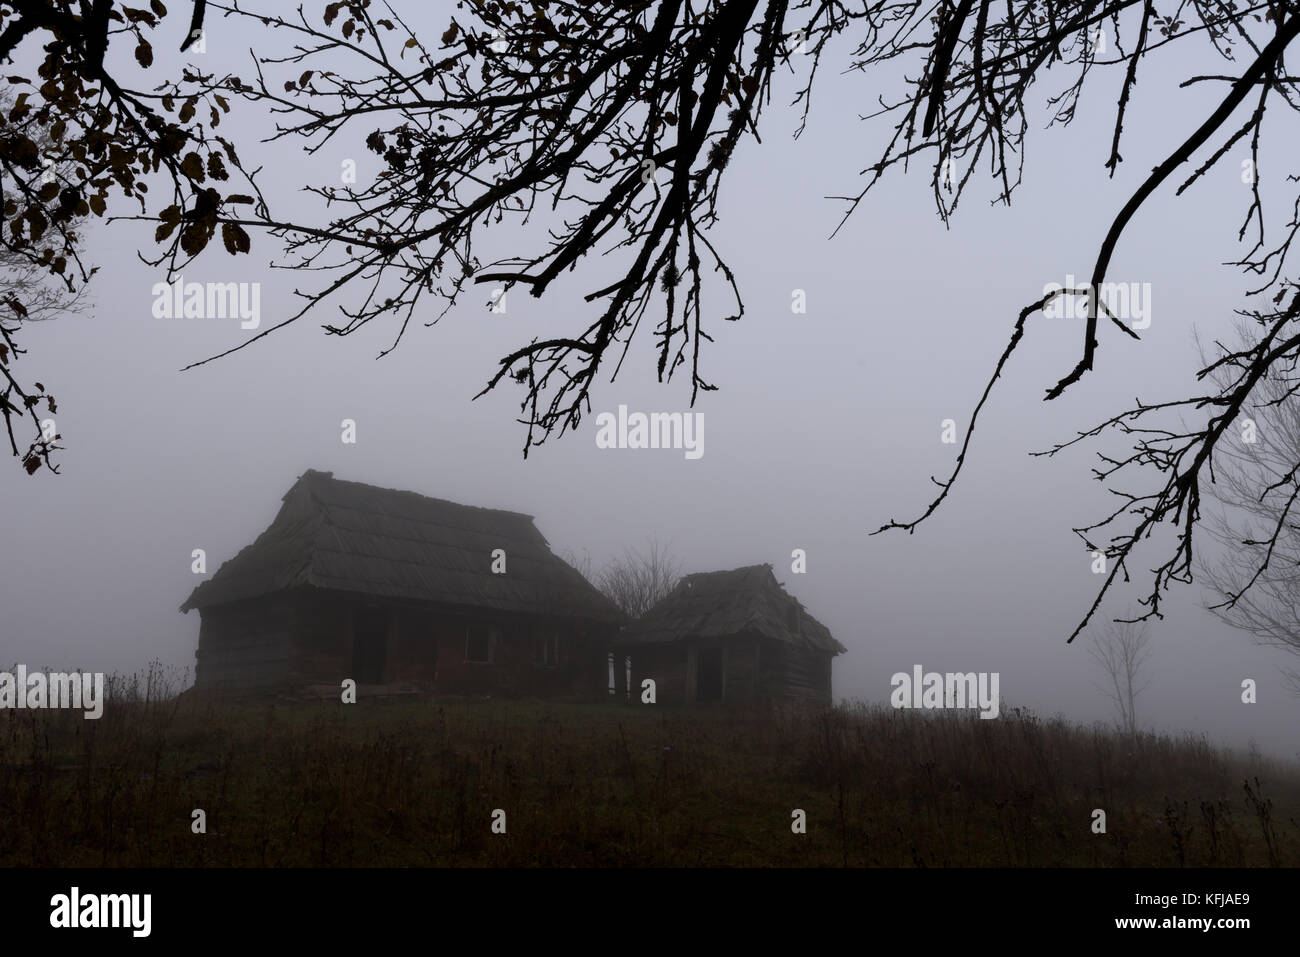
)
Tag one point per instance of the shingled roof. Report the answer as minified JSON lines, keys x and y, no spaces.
{"x":716,"y":604}
{"x":351,"y":537}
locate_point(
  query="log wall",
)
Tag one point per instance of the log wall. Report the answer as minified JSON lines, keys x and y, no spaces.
{"x":306,"y":638}
{"x":753,"y":670}
{"x":245,"y":646}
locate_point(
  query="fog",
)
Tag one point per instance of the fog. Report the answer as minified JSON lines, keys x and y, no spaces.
{"x":825,"y":425}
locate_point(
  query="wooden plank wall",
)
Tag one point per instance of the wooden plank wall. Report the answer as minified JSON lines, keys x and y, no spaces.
{"x":794,"y":673}
{"x":246,"y":646}
{"x":514,"y":671}
{"x":740,"y":663}
{"x":305,"y":638}
{"x":426,"y":647}
{"x":753,"y":669}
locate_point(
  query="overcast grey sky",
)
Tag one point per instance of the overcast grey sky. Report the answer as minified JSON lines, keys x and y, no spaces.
{"x":825,"y":425}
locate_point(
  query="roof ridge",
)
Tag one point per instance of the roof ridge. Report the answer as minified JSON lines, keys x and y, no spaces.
{"x":329,"y":478}
{"x":349,"y":536}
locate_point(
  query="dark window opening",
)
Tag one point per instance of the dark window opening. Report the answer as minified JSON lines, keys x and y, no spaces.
{"x":479,"y":640}
{"x":546,"y":650}
{"x":708,"y":675}
{"x":369,"y":645}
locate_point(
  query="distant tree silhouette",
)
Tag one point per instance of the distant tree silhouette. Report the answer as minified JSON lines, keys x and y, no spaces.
{"x":1121,"y":650}
{"x":1256,"y":574}
{"x":638,"y":580}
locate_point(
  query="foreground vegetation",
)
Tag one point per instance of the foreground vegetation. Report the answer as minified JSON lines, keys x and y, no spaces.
{"x":415,"y":781}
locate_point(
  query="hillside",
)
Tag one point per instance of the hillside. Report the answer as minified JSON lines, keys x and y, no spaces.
{"x":414,"y":781}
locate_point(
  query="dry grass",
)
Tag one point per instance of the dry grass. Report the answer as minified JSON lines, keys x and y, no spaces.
{"x":414,"y":782}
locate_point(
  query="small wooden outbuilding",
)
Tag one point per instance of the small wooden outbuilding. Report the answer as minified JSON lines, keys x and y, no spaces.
{"x":399,"y":591}
{"x":734,"y":637}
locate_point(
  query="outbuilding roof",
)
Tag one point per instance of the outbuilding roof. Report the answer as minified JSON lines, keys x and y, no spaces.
{"x":717,"y":604}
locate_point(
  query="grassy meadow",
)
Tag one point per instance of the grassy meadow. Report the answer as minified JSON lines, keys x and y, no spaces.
{"x":415,"y":781}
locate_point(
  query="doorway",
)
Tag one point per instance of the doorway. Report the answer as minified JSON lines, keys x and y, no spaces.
{"x":708,"y":675}
{"x":369,"y":645}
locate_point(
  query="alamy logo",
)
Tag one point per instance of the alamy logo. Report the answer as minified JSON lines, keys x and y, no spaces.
{"x":950,"y":690}
{"x":1124,"y":300}
{"x":209,"y":300}
{"x":75,"y":909}
{"x":658,"y":430}
{"x":55,"y":689}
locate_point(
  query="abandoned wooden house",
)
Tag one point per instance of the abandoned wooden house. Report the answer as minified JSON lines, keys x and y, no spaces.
{"x":732,"y":636}
{"x":399,"y":591}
